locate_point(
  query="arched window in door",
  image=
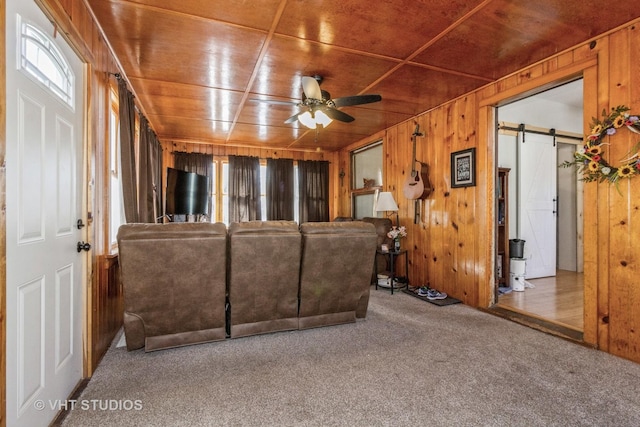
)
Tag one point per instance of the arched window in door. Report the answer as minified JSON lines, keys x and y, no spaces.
{"x":41,"y":60}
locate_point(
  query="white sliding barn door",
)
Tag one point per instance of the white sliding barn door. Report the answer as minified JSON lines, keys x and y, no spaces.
{"x":537,"y":195}
{"x":43,"y":193}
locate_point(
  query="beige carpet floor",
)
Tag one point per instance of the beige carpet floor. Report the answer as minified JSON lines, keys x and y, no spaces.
{"x":409,"y":363}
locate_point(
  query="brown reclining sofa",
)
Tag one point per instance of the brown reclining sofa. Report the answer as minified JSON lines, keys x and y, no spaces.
{"x":188,"y":283}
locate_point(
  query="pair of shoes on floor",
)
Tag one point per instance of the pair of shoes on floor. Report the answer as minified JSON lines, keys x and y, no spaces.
{"x":431,"y":294}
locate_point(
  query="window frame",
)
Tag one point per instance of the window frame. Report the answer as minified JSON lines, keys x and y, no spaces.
{"x":31,"y":37}
{"x":113,"y":171}
{"x":357,"y":194}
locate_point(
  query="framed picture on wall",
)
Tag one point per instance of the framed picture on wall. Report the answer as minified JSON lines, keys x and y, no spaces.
{"x":463,"y":168}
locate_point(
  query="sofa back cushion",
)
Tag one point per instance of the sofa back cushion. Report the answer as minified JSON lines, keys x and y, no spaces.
{"x":337,"y":258}
{"x":174,"y":283}
{"x":264,"y":273}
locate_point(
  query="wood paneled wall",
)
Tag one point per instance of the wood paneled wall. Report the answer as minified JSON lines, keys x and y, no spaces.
{"x":444,"y":243}
{"x":612,"y":217}
{"x":452,"y":246}
{"x":107,"y":304}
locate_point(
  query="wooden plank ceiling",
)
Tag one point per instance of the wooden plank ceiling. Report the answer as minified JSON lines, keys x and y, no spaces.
{"x":208,"y":71}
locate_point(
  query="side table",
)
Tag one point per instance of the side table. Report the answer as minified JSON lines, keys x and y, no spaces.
{"x":392,"y":257}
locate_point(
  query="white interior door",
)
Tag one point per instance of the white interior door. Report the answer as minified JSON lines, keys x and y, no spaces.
{"x":43,"y":193}
{"x":537,"y":197}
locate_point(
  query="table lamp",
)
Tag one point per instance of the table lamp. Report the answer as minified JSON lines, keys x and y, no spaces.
{"x":386,"y":203}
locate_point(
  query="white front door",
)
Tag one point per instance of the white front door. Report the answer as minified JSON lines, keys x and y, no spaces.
{"x":43,"y":194}
{"x":537,"y":193}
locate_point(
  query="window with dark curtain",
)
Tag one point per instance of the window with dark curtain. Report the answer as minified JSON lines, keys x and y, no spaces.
{"x":126,"y":115}
{"x":199,"y":163}
{"x":280,"y":189}
{"x":150,"y":172}
{"x":244,"y":188}
{"x":313,"y":190}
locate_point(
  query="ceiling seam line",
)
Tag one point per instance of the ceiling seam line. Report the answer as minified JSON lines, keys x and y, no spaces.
{"x":188,"y":15}
{"x":254,"y":73}
{"x":447,"y":30}
{"x":408,"y":59}
{"x":449,"y":71}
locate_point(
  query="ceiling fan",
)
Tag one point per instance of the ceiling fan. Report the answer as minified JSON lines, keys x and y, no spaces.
{"x":320,"y":109}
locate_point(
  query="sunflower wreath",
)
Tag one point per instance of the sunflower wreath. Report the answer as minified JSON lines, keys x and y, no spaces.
{"x":589,"y":158}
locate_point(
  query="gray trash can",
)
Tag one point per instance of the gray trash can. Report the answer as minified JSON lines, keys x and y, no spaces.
{"x":516,"y":248}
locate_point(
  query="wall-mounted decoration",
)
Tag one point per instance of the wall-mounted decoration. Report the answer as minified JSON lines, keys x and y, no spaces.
{"x":463,"y":168}
{"x":368,"y":183}
{"x":589,"y":158}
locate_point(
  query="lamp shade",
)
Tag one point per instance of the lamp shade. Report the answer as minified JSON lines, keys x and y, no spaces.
{"x":386,"y":202}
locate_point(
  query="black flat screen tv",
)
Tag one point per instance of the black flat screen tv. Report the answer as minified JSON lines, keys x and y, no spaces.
{"x":187,"y":193}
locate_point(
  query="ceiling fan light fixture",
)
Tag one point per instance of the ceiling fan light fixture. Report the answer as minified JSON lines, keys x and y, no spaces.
{"x":321,"y":109}
{"x":307,"y":119}
{"x":311,"y":120}
{"x":323,"y":119}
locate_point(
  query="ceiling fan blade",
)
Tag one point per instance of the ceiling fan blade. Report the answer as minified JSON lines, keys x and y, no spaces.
{"x":337,"y":115}
{"x":311,"y":88}
{"x":292,"y":119}
{"x":356,"y":100}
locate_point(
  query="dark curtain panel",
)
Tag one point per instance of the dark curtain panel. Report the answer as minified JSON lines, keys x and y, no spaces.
{"x":280,"y":189}
{"x":199,"y":163}
{"x":145,"y":184}
{"x":155,"y":160}
{"x":313,"y":190}
{"x":126,"y":108}
{"x":244,"y":188}
{"x":150,"y":172}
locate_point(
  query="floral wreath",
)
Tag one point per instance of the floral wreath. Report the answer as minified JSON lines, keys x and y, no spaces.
{"x":589,"y":158}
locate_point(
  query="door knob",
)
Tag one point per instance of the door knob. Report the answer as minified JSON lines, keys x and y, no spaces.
{"x":79,"y":224}
{"x":82,"y":246}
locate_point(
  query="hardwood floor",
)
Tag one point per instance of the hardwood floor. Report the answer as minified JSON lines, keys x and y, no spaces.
{"x":557,"y":300}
